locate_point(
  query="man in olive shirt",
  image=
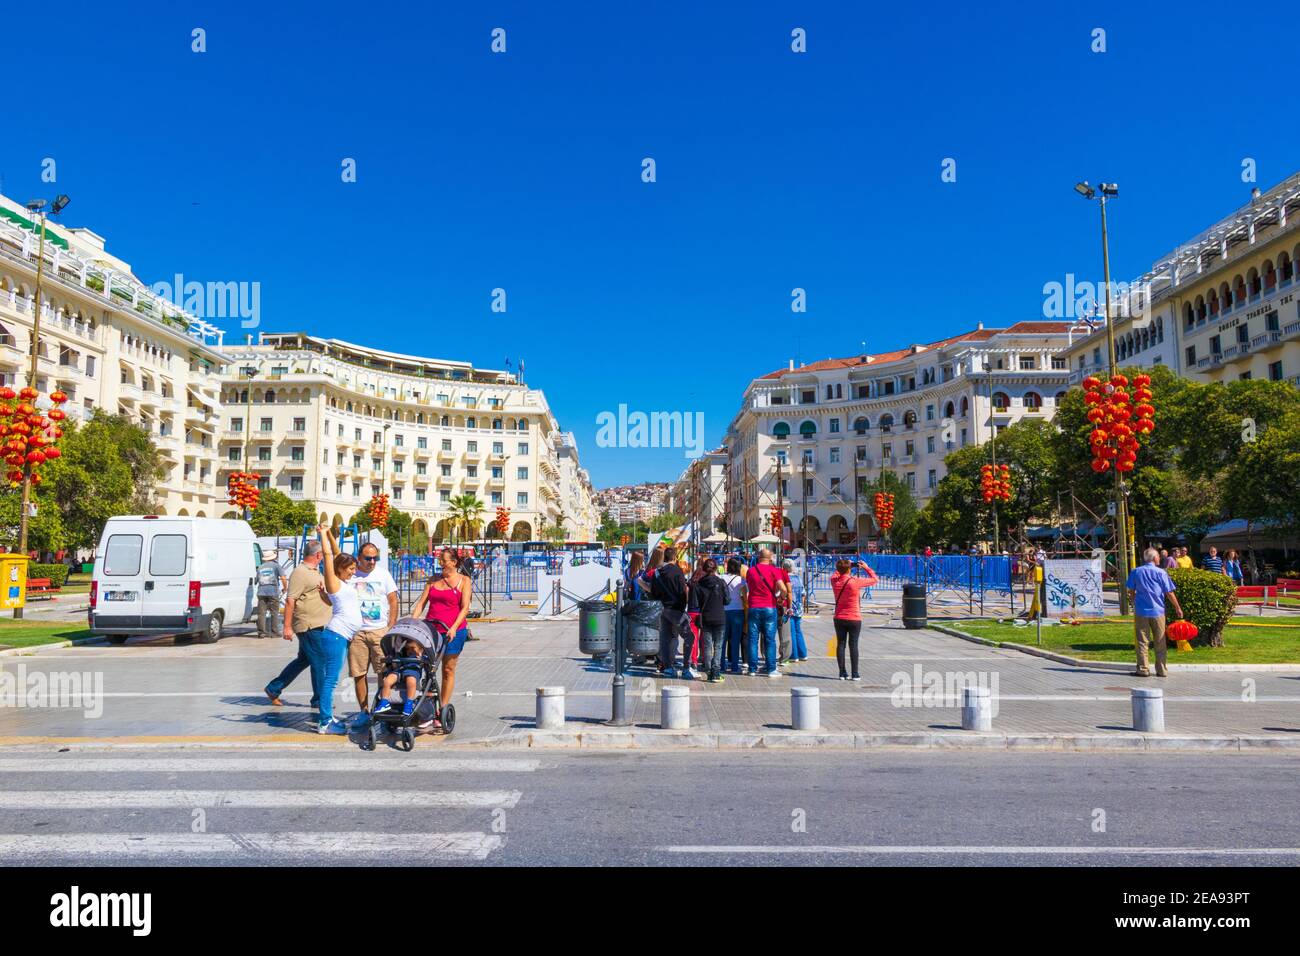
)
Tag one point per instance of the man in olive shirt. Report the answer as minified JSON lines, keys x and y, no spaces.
{"x":306,"y":613}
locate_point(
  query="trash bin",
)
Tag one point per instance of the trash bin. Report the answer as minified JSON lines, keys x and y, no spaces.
{"x":643,"y":627}
{"x":595,"y":627}
{"x":914,"y":606}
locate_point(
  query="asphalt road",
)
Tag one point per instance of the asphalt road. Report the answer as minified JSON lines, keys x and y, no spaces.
{"x":323,"y":805}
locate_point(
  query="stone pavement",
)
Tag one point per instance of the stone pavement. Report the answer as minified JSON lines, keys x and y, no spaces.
{"x":156,"y":691}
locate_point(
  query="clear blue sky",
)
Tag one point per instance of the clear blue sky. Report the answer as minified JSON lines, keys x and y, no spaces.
{"x":522,"y":171}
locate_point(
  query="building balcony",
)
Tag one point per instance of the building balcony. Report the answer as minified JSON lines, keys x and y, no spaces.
{"x":296,"y":435}
{"x":496,"y":482}
{"x":295,"y":464}
{"x":399,"y":451}
{"x":446,"y":454}
{"x":231,"y":435}
{"x":472,"y":481}
{"x":1291,"y":330}
{"x":446,"y":481}
{"x":473,"y":456}
{"x":398,"y":477}
{"x":421,"y":479}
{"x":496,"y":456}
{"x":421,"y":453}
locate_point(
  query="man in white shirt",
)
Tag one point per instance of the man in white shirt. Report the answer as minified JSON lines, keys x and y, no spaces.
{"x":377,"y":596}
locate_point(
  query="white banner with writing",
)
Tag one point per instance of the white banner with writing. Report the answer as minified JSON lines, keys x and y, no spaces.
{"x":1073,"y":586}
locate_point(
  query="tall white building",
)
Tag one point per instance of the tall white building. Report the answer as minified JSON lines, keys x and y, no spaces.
{"x":700,"y":492}
{"x":900,"y":411}
{"x":334,"y":423}
{"x":109,"y":342}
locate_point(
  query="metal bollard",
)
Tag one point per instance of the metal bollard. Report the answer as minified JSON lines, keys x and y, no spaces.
{"x":550,"y":708}
{"x":976,"y":709}
{"x":805,"y":708}
{"x":675,"y":708}
{"x":1148,"y":709}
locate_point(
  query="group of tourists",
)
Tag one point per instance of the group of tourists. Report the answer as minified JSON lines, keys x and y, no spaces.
{"x":737,"y":618}
{"x":1229,"y":564}
{"x":339,"y":607}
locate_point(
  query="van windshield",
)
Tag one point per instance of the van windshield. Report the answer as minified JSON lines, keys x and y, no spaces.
{"x":122,"y":555}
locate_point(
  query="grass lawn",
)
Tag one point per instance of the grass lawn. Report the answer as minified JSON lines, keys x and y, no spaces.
{"x":31,"y":633}
{"x":1113,"y":641}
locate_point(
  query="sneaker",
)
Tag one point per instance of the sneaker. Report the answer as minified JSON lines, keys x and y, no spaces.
{"x":408,"y":707}
{"x":334,"y":727}
{"x":717,"y":679}
{"x":856,"y":678}
{"x":382,"y":706}
{"x":668,"y":673}
{"x":273,"y":698}
{"x":1140,"y":674}
{"x":802,"y":659}
{"x":774,"y":672}
{"x":844,"y":677}
{"x":689,"y":674}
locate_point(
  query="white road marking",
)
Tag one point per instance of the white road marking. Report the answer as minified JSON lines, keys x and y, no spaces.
{"x":378,"y":764}
{"x":989,"y":850}
{"x":259,"y":799}
{"x":346,"y":845}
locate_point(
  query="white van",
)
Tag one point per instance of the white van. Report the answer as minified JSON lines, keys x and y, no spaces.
{"x":156,"y":574}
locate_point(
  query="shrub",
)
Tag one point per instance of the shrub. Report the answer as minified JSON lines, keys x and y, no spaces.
{"x":1207,"y":600}
{"x":57,"y":573}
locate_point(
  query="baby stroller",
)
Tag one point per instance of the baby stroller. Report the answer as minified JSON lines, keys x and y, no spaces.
{"x":432,"y":637}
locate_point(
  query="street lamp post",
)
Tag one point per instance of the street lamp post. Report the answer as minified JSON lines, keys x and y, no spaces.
{"x":1102,"y":192}
{"x":37,"y":207}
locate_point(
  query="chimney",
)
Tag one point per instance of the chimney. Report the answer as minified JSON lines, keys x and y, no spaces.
{"x":248,"y":339}
{"x":792,"y":365}
{"x":979,"y":327}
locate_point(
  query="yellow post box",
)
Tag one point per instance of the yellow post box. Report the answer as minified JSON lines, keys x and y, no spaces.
{"x":13,"y":581}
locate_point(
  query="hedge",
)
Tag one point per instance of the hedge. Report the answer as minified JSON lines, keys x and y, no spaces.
{"x":1207,"y":600}
{"x":57,"y":573}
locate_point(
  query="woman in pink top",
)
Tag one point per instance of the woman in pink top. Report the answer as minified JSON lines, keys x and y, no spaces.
{"x":848,"y":611}
{"x":446,"y":601}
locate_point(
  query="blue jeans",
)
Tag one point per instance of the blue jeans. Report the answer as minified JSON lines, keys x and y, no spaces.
{"x":307,"y":640}
{"x":798,"y":648}
{"x":731,"y":646}
{"x":762,"y":619}
{"x":326,"y":664}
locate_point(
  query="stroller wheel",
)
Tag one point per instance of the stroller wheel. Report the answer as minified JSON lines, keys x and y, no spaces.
{"x":448,"y":719}
{"x":408,"y":739}
{"x":371,"y":739}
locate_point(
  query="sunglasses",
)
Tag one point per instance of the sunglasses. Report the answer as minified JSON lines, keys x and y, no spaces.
{"x":368,"y":558}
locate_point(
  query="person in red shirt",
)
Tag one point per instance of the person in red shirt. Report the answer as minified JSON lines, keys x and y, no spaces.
{"x":767,"y":588}
{"x":848,"y":589}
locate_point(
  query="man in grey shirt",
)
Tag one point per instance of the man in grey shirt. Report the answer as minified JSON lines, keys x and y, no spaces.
{"x":270,"y":580}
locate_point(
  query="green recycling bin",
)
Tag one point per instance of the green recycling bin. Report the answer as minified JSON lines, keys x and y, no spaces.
{"x":595,"y":627}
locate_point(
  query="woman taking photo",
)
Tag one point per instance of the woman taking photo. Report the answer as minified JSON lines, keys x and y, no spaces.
{"x":445,"y":601}
{"x":848,"y":611}
{"x":345,"y":622}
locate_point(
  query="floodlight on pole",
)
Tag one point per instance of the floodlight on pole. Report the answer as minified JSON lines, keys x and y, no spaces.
{"x":1084,"y":190}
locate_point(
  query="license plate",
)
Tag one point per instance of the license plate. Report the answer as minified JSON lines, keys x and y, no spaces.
{"x":120,"y":595}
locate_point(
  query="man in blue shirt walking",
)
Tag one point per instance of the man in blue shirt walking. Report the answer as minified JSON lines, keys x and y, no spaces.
{"x":1148,"y":586}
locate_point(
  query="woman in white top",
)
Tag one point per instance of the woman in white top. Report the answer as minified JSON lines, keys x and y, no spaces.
{"x":736,"y":595}
{"x":333,"y":647}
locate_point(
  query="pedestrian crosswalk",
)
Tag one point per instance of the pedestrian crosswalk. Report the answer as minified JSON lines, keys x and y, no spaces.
{"x":248,"y":808}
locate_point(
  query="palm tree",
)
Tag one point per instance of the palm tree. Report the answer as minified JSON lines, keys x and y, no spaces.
{"x":466,"y":512}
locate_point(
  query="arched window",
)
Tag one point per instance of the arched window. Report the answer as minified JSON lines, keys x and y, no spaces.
{"x":1160,"y":328}
{"x":270,"y":396}
{"x":949,"y":410}
{"x":807,"y":428}
{"x":1189,"y":317}
{"x":965,"y":406}
{"x":1060,"y":397}
{"x":496,"y":424}
{"x":860,"y":425}
{"x":1285,"y":268}
{"x":1033,"y":401}
{"x":886,"y":422}
{"x":522,"y":424}
{"x":1270,"y":275}
{"x":471,"y":422}
{"x":445,"y":422}
{"x":1001,"y":401}
{"x":909,"y":418}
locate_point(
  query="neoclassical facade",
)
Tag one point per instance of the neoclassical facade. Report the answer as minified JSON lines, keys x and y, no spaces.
{"x":334,"y":423}
{"x":819,"y":425}
{"x":109,"y":342}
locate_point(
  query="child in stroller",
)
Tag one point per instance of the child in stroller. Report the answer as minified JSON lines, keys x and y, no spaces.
{"x":412,"y":654}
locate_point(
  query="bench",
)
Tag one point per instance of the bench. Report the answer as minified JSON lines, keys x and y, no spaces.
{"x":37,"y":587}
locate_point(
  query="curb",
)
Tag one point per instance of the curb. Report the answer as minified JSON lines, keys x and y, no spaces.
{"x":35,"y":648}
{"x":650,"y":739}
{"x":1115,"y":666}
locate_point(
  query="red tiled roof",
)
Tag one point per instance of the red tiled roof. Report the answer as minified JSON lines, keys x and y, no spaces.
{"x":974,"y":335}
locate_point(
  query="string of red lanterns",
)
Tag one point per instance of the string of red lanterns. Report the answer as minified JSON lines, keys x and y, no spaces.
{"x":29,"y":436}
{"x":884,"y":505}
{"x":1117,"y":419}
{"x":995,"y":483}
{"x":242,"y":488}
{"x":379,"y":510}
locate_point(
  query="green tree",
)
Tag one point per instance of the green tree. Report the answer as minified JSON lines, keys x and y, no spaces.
{"x":466,"y":513}
{"x":278,"y":514}
{"x":669,"y":519}
{"x":1262,"y":484}
{"x":554,"y":533}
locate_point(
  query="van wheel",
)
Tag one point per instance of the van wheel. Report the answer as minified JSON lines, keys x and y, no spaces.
{"x":213,"y":632}
{"x":117,"y":638}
